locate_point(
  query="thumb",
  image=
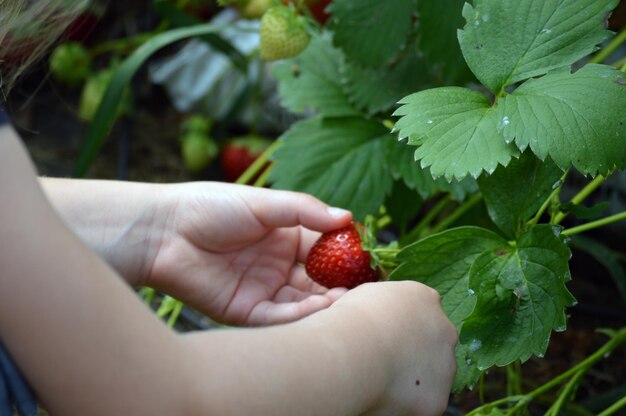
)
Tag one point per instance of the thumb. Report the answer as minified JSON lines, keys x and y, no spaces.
{"x":276,"y":209}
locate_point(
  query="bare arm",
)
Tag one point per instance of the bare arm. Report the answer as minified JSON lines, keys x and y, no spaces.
{"x":88,"y":346}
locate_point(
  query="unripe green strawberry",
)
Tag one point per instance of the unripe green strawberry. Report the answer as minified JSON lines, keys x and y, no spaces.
{"x":255,"y":9}
{"x":196,"y":123}
{"x":283,"y":34}
{"x":70,"y":63}
{"x":198,"y":151}
{"x":93,"y":92}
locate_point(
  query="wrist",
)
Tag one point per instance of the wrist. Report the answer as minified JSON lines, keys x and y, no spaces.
{"x":118,"y":220}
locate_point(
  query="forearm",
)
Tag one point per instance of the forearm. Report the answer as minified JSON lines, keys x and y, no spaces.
{"x":83,"y":339}
{"x":115,"y":219}
{"x":323,"y":365}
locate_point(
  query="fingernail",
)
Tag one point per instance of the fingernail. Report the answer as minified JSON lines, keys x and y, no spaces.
{"x":337,"y":212}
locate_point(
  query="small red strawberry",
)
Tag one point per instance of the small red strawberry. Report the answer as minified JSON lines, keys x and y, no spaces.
{"x":239,"y":153}
{"x":282,"y":34}
{"x":338,"y":260}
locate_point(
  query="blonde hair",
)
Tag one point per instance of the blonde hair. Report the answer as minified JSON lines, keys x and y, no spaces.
{"x":28,"y":28}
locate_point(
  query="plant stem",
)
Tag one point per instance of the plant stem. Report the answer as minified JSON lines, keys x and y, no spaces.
{"x":178,"y":307}
{"x":610,"y":48}
{"x":582,"y":195}
{"x":567,"y":392}
{"x":258,"y":164}
{"x":415,"y":233}
{"x":595,"y":224}
{"x":614,"y":407}
{"x":548,"y":200}
{"x":462,"y":209}
{"x":262,"y":181}
{"x":618,"y":338}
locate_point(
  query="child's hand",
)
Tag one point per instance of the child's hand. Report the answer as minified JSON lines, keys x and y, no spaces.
{"x":236,"y":252}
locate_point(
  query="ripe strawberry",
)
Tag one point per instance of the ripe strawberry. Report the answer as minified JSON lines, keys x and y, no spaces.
{"x":283,"y":34}
{"x":338,"y":260}
{"x":239,"y":153}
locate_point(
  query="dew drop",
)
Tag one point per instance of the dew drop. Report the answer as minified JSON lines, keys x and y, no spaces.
{"x":607,"y":354}
{"x":546,"y":31}
{"x":468,"y":361}
{"x":475,"y":345}
{"x":470,"y":292}
{"x":485,"y":17}
{"x":503,"y":123}
{"x":429,"y":122}
{"x":556,"y":184}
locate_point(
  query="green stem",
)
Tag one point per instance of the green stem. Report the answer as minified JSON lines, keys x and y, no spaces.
{"x":595,"y":224}
{"x":416,"y":232}
{"x":621,"y":403}
{"x":582,"y":195}
{"x":565,"y":395}
{"x":610,"y":48}
{"x":258,"y":164}
{"x":262,"y":181}
{"x":618,"y":338}
{"x":178,"y":307}
{"x":548,"y":200}
{"x":462,"y":209}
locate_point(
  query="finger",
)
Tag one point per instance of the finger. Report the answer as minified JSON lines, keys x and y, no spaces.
{"x":270,"y":313}
{"x":307,"y":239}
{"x":288,"y":209}
{"x":291,"y":294}
{"x":300,"y":280}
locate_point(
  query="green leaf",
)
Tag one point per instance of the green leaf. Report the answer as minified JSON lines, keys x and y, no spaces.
{"x":371,"y":32}
{"x":467,"y":372}
{"x":378,"y":89}
{"x":514,"y":193}
{"x":507,"y":41}
{"x":583,"y":212}
{"x":107,"y":111}
{"x":456,"y":131}
{"x":341,"y":161}
{"x":311,"y":81}
{"x":521,"y":296}
{"x":403,"y":165}
{"x":439,"y":22}
{"x":443,"y":261}
{"x":573,"y":118}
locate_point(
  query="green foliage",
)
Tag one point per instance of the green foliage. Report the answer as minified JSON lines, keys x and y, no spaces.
{"x":508,"y":41}
{"x":455,"y":130}
{"x":371,"y":32}
{"x":340,"y":161}
{"x":310,"y":81}
{"x":576,"y":119}
{"x":513,"y":194}
{"x":521,"y":295}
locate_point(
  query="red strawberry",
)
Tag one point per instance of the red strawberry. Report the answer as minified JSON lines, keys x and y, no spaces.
{"x":239,"y":153}
{"x":338,"y":260}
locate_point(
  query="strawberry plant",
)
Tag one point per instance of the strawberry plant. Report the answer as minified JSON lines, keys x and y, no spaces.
{"x":425,"y":111}
{"x":453,"y":127}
